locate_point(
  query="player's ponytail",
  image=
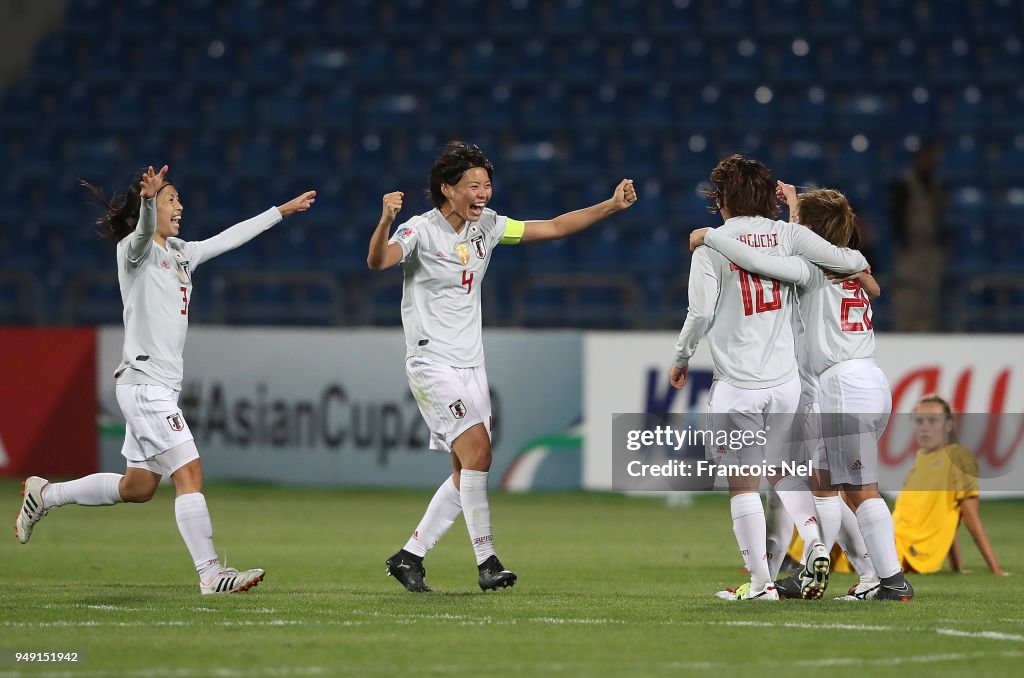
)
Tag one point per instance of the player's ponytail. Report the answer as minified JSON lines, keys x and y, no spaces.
{"x":121,"y":212}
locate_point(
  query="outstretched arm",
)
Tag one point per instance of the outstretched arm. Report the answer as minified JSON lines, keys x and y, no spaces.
{"x":141,"y":239}
{"x":574,"y":222}
{"x":787,"y":269}
{"x":972,"y":519}
{"x":703,"y":294}
{"x":384,"y":254}
{"x":243,"y":232}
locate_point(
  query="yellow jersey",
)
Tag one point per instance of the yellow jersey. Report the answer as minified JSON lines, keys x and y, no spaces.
{"x":927,"y":511}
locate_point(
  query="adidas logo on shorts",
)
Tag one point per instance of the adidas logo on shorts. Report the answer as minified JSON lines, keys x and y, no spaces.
{"x":857,"y":466}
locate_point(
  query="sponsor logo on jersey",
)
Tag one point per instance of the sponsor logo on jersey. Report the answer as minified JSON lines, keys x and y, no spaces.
{"x":857,"y":466}
{"x":458,"y":409}
{"x":441,"y":255}
{"x":811,"y":521}
{"x":463,"y":251}
{"x":405,"y":233}
{"x":165,"y":264}
{"x":478,"y":243}
{"x":175,"y":421}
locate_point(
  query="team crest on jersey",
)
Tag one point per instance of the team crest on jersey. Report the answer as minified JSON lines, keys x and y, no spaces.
{"x":458,"y":409}
{"x":182,"y":268}
{"x":463,"y":251}
{"x":176,"y":422}
{"x":478,"y":243}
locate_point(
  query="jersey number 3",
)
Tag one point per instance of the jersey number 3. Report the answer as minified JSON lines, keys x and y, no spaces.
{"x":467,"y":280}
{"x":752,"y":289}
{"x":858,"y":300}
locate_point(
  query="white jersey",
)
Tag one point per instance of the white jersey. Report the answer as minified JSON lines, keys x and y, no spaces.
{"x":443,"y":274}
{"x":749,"y":319}
{"x":836,"y":318}
{"x":156,"y":290}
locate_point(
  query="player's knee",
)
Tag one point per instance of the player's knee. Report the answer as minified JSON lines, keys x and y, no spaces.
{"x":137,"y":494}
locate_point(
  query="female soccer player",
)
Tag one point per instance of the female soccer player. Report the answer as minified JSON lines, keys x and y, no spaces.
{"x":840,"y":345}
{"x":445,"y":253}
{"x":940,"y":491}
{"x":154,"y":269}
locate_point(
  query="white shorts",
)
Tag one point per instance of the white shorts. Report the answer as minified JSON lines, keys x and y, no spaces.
{"x":166,"y":463}
{"x":733,"y":409}
{"x":855,"y":403}
{"x":451,"y":399}
{"x":153,"y":422}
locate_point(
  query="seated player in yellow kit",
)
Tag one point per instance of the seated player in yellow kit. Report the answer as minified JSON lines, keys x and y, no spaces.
{"x":940,"y":490}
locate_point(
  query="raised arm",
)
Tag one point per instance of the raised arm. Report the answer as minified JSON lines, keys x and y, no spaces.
{"x":972,"y":519}
{"x":574,"y":222}
{"x":141,"y":239}
{"x":787,"y":269}
{"x":244,"y":231}
{"x":703,"y":294}
{"x":818,"y":251}
{"x":382,"y":253}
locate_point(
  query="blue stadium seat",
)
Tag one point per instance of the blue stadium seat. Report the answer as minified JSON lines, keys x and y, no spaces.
{"x":73,"y":110}
{"x":14,"y":209}
{"x":864,"y":111}
{"x":1004,"y":109}
{"x":87,"y":17}
{"x":424,"y":62}
{"x":998,"y":17}
{"x":636,"y":61}
{"x":522,"y":18}
{"x":546,"y":109}
{"x":216,"y":65}
{"x":803,"y":163}
{"x":686,"y":61}
{"x":742,"y":62}
{"x":1005,"y":61}
{"x":796,"y":62}
{"x":845,"y":62}
{"x":267,"y":65}
{"x":327,"y":65}
{"x":259,"y":159}
{"x":622,"y":17}
{"x":573,"y":18}
{"x":707,"y":111}
{"x":410,"y":18}
{"x":1008,"y":167}
{"x":853,"y":161}
{"x":969,"y":205}
{"x":351,"y":19}
{"x":601,"y":107}
{"x":42,"y":157}
{"x":299,"y":19}
{"x":836,"y":18}
{"x":945,"y":17}
{"x":675,"y":18}
{"x":583,"y":62}
{"x":955,"y":63}
{"x":751,"y":113}
{"x":231,"y":110}
{"x":107,"y":63}
{"x":194,"y":18}
{"x":94,"y":156}
{"x":964,"y":161}
{"x":142,"y":17}
{"x":808,"y":110}
{"x":479,"y":62}
{"x":899,"y":62}
{"x":20,"y":107}
{"x":918,"y":112}
{"x":653,"y":107}
{"x":126,"y":111}
{"x":729,"y":18}
{"x":247,"y":19}
{"x":315,"y":157}
{"x":891,"y":18}
{"x":783,"y":18}
{"x":392,"y":108}
{"x":285,"y":110}
{"x":158,"y":62}
{"x":533,"y":59}
{"x":55,"y":61}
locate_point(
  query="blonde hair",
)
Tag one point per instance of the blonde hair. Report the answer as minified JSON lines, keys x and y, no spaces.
{"x":829,"y":214}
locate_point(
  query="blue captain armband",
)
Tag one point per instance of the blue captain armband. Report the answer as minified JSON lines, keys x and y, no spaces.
{"x":513,"y":232}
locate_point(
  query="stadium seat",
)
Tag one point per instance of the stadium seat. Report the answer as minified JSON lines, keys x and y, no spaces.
{"x":945,"y":17}
{"x":891,"y":18}
{"x":969,"y":111}
{"x":20,"y":107}
{"x":1008,"y":167}
{"x":193,"y":18}
{"x":955,"y":62}
{"x":522,"y":18}
{"x":998,"y":18}
{"x":729,"y":18}
{"x":622,"y":17}
{"x":836,"y":18}
{"x":782,"y":18}
{"x":299,"y":19}
{"x":573,"y":18}
{"x":796,"y":63}
{"x":742,"y":62}
{"x":899,"y":62}
{"x":675,"y":18}
{"x":267,"y":65}
{"x":686,"y":61}
{"x":1005,"y":61}
{"x":964,"y":161}
{"x":55,"y":61}
{"x":845,"y":62}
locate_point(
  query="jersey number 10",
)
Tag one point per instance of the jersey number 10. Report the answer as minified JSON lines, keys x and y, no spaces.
{"x":753,"y":292}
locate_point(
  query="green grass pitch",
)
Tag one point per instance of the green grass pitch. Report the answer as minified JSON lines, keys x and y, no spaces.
{"x":608,"y":585}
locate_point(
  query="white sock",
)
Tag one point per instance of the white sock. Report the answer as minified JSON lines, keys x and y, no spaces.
{"x":749,"y":527}
{"x":477,"y":511}
{"x":99,"y":489}
{"x":442,"y":511}
{"x":830,"y":518}
{"x":852,"y":543}
{"x":875,"y":523}
{"x":197,"y":530}
{"x":780,"y":532}
{"x":799,"y":502}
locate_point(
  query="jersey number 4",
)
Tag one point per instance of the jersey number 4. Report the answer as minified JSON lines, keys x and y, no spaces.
{"x":858,"y":300}
{"x":467,"y":280}
{"x":753,"y":291}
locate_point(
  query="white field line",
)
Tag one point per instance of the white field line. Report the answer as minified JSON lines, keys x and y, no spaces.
{"x":991,"y":635}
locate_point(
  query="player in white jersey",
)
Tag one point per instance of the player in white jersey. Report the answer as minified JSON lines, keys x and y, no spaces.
{"x":445,"y":254}
{"x":853,"y":393}
{"x":154,"y":269}
{"x":749,"y":324}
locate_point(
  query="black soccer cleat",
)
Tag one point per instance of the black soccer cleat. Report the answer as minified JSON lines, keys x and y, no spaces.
{"x":903,"y":592}
{"x":493,"y":575}
{"x":789,"y":588}
{"x":408,"y":570}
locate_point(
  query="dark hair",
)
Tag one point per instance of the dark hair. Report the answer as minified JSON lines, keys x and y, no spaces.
{"x":456,"y":158}
{"x":744,"y":186}
{"x":122,"y":212}
{"x":829,"y":214}
{"x":933,"y":398}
